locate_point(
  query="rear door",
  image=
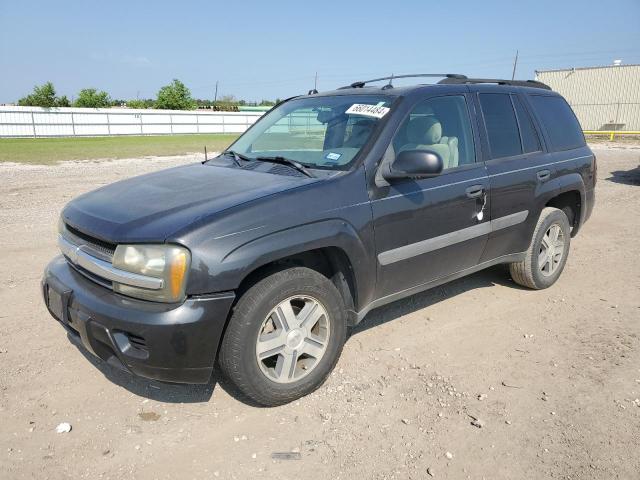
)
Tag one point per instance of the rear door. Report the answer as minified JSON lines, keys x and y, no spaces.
{"x":428,"y":228}
{"x":518,"y":167}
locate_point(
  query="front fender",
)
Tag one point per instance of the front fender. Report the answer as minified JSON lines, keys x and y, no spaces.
{"x":235,"y":265}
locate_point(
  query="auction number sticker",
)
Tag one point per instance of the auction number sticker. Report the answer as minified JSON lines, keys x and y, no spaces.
{"x":374,"y":111}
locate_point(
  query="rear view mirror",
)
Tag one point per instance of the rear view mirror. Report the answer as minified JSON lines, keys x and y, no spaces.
{"x":415,"y":164}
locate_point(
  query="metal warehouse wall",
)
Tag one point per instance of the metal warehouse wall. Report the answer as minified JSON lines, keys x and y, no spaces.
{"x":604,"y":98}
{"x":63,"y":122}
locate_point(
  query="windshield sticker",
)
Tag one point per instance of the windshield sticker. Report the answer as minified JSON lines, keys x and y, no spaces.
{"x":374,"y":111}
{"x":333,"y":156}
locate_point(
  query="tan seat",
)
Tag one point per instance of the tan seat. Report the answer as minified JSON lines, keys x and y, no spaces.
{"x":425,"y":133}
{"x":359,"y":134}
{"x":452,"y":142}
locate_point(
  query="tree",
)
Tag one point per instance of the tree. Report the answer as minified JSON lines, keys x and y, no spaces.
{"x":44,"y":96}
{"x":91,"y":98}
{"x":63,"y":101}
{"x":140,"y":103}
{"x":175,"y":96}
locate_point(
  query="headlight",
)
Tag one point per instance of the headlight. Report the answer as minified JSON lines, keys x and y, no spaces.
{"x":167,"y":262}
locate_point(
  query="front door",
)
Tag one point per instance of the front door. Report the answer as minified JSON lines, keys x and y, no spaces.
{"x":426,"y":229}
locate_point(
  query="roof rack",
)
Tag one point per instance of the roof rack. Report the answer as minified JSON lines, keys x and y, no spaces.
{"x":515,"y":83}
{"x":452,"y":76}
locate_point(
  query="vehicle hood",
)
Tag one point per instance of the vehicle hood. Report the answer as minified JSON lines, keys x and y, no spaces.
{"x":151,"y":207}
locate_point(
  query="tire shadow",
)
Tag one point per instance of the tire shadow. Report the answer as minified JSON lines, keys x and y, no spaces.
{"x":152,"y":389}
{"x":164,"y":391}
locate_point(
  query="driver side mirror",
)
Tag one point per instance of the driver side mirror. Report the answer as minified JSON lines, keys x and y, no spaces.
{"x":415,"y":164}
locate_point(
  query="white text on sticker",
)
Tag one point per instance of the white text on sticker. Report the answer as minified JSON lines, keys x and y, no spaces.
{"x":367,"y":110}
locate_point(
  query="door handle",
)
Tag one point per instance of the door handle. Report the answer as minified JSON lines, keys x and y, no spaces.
{"x":544,"y":175}
{"x":475,"y":191}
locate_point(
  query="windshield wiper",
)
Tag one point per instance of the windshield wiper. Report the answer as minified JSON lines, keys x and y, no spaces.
{"x":236,"y":157}
{"x":286,"y":161}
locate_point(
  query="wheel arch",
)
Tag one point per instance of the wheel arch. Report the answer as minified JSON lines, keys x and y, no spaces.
{"x":570,"y":198}
{"x":332,"y":248}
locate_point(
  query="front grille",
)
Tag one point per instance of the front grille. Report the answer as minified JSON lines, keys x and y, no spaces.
{"x":92,"y":276}
{"x":92,"y":246}
{"x":96,"y":247}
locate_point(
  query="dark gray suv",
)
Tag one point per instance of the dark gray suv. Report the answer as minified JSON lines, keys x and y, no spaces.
{"x":331,"y":205}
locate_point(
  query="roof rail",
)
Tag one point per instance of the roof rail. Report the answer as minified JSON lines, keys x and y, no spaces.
{"x":412,"y":75}
{"x":515,"y":83}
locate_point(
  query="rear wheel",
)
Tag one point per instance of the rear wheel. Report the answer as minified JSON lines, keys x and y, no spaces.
{"x":284,"y":337}
{"x":547,"y":254}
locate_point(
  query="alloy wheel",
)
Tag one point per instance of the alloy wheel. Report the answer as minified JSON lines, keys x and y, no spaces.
{"x":292,"y":339}
{"x":551,"y":250}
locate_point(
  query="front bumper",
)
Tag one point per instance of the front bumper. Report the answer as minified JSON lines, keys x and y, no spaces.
{"x":167,"y":342}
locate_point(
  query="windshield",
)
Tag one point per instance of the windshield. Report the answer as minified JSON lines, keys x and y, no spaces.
{"x":321,"y":132}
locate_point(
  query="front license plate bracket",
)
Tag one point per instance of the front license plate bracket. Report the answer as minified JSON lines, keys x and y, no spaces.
{"x":58,"y":300}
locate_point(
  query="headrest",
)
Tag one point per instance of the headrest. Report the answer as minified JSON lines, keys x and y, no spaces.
{"x":424,"y":130}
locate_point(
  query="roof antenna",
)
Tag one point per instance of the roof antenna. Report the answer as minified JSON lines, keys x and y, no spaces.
{"x":315,"y":86}
{"x":390,"y":84}
{"x":205,"y":153}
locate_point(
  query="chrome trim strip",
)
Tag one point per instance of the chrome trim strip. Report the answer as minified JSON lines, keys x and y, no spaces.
{"x":90,"y":248}
{"x":509,"y":220}
{"x":448,"y":239}
{"x":103,"y":269}
{"x":435,"y":243}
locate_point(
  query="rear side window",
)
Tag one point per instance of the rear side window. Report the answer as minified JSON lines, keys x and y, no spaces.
{"x":530,"y":140}
{"x":502,"y":127}
{"x":560,"y":122}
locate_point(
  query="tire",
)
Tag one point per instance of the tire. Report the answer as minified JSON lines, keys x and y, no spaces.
{"x":290,"y":373}
{"x":528,"y":272}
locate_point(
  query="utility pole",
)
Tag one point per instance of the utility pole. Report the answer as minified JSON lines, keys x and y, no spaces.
{"x":215,"y":96}
{"x":515,"y":64}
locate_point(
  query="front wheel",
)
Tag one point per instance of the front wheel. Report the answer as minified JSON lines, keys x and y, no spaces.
{"x":547,"y":254}
{"x":284,"y":337}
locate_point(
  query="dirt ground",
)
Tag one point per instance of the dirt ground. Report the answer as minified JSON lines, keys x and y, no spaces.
{"x":553,"y":376}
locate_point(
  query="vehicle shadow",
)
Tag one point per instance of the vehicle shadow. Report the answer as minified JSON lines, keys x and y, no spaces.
{"x":152,"y":389}
{"x":497,"y":275}
{"x":186,"y":393}
{"x":626,"y":177}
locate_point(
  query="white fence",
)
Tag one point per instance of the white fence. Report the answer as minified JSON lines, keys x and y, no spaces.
{"x":68,"y":122}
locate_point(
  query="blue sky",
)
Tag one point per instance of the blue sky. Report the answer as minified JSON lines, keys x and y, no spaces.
{"x":269,"y":49}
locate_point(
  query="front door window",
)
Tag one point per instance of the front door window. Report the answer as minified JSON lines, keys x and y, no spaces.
{"x":440,"y":125}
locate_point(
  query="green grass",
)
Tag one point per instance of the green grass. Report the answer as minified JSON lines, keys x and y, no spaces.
{"x":52,"y":150}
